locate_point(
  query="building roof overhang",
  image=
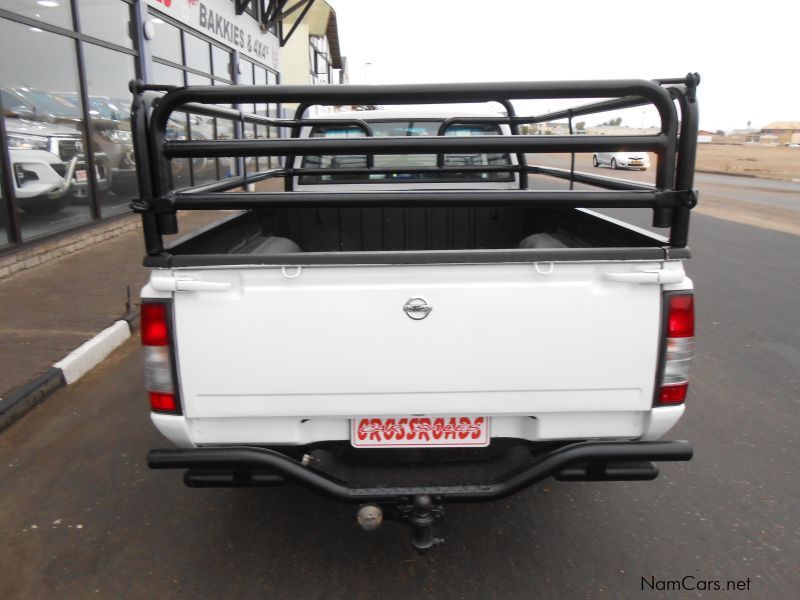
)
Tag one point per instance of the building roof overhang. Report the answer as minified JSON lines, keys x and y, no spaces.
{"x":318,"y":15}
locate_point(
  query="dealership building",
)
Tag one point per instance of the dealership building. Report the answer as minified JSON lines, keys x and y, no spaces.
{"x":67,"y":167}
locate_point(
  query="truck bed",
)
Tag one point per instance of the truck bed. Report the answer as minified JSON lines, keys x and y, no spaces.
{"x":453,"y":234}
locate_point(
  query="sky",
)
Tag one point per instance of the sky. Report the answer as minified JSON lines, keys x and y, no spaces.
{"x":747,"y":53}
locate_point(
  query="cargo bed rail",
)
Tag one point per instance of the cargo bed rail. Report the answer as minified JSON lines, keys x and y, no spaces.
{"x":671,"y":198}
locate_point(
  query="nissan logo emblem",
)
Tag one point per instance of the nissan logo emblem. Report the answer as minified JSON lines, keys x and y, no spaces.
{"x":417,"y":308}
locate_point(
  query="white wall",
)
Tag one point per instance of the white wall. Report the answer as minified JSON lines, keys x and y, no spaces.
{"x":295,"y":66}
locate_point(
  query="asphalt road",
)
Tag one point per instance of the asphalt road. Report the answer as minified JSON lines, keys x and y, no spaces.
{"x":764,"y":203}
{"x":82,"y":515}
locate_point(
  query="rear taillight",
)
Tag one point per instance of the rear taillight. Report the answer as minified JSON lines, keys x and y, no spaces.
{"x":159,"y":379}
{"x":677,"y":357}
{"x":155,"y":329}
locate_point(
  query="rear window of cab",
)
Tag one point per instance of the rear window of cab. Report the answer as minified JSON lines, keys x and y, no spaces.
{"x":404,"y":161}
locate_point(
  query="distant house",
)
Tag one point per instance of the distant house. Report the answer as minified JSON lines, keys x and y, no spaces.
{"x":550,"y":129}
{"x":744,"y":135}
{"x":783,"y":132}
{"x":621,"y":130}
{"x":704,"y":137}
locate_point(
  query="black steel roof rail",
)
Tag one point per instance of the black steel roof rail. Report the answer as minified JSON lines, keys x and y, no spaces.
{"x":412,"y":94}
{"x":159,"y":198}
{"x":446,"y":198}
{"x":416,"y":144}
{"x":681,"y":89}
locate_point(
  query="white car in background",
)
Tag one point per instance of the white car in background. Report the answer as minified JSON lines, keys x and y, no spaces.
{"x":44,"y":161}
{"x":41,"y":180}
{"x":622,"y":160}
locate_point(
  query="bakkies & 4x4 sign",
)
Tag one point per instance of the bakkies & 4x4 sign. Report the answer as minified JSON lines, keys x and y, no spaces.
{"x":218,"y":20}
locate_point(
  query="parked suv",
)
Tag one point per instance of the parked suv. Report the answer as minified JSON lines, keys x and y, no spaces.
{"x":44,"y":161}
{"x":40,"y":106}
{"x":111,"y":134}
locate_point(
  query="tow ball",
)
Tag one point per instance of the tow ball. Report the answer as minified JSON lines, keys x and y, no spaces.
{"x":424,"y":514}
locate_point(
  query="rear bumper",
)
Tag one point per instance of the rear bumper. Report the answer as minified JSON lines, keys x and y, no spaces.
{"x":614,"y":422}
{"x":499,"y":477}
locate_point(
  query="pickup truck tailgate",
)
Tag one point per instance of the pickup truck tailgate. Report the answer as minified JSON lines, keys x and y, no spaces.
{"x":336,"y":341}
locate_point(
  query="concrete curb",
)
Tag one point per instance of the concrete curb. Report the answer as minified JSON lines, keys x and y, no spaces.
{"x":29,"y":396}
{"x":68,"y":370}
{"x":84,"y":358}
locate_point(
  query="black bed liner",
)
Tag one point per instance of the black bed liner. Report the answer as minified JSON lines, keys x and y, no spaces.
{"x":413,"y":236}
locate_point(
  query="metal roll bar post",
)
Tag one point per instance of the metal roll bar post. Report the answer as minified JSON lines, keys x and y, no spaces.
{"x":687,"y":153}
{"x":140,"y":108}
{"x":521,"y":156}
{"x":572,"y":156}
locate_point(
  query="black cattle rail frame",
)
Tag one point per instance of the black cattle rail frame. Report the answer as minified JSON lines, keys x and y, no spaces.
{"x":671,"y":198}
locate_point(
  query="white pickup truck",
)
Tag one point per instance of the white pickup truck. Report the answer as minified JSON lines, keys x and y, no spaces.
{"x":416,"y":319}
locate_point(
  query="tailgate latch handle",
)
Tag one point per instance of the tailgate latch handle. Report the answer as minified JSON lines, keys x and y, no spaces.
{"x":657,"y":277}
{"x":187,"y":284}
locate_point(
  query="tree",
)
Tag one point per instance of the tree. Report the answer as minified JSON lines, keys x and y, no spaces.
{"x":580,"y":125}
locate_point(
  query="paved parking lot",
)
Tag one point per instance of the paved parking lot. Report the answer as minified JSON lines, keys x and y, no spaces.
{"x":82,"y":515}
